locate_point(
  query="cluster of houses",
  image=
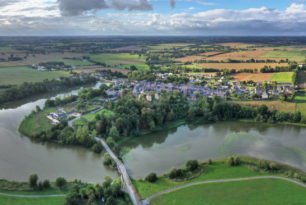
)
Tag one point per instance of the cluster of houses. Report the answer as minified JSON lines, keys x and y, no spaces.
{"x":189,"y":90}
{"x":222,"y":90}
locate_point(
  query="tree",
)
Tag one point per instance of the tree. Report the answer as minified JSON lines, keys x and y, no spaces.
{"x":60,"y":182}
{"x":114,"y":132}
{"x":192,"y":165}
{"x":33,"y":180}
{"x":151,"y":178}
{"x":233,"y":161}
{"x":46,"y":184}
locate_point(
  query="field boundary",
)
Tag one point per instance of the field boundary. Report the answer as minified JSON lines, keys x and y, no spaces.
{"x":222,"y":181}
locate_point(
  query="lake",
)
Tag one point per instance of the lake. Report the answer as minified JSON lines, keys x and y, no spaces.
{"x":161,"y":151}
{"x":20,"y":157}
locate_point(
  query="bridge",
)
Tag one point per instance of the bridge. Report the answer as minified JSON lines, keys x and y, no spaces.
{"x":123,"y":172}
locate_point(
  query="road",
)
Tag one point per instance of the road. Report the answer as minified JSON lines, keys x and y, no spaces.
{"x":32,"y":196}
{"x":223,"y":180}
{"x":122,"y":170}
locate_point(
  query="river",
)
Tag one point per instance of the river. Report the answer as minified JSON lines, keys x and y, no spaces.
{"x":20,"y":157}
{"x":161,"y":151}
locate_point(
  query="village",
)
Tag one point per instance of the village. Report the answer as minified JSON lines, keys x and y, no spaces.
{"x":220,"y":86}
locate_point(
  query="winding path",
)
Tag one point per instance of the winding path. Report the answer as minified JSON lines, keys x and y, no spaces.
{"x":124,"y":174}
{"x":32,"y":196}
{"x":223,"y":180}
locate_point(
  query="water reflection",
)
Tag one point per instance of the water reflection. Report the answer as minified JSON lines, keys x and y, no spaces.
{"x":159,"y":152}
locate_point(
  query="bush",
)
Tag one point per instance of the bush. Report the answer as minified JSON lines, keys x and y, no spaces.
{"x":33,"y":180}
{"x":233,"y":161}
{"x":151,"y":178}
{"x":176,"y":173}
{"x":60,"y":182}
{"x":210,"y":162}
{"x":97,"y":148}
{"x":192,"y":165}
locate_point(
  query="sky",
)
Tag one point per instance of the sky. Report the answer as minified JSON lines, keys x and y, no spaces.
{"x":153,"y":17}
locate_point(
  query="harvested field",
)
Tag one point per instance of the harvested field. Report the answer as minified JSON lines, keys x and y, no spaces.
{"x":241,"y":55}
{"x":273,"y":105}
{"x":211,"y":53}
{"x":189,"y":59}
{"x":90,"y":69}
{"x":256,"y":77}
{"x":240,"y":66}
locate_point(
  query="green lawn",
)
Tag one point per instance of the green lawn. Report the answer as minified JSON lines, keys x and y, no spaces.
{"x":283,"y":77}
{"x":119,"y":59}
{"x":216,"y":171}
{"x":91,"y":117}
{"x":253,"y":192}
{"x":19,"y":75}
{"x":35,"y":124}
{"x":31,"y":201}
{"x":294,"y":55}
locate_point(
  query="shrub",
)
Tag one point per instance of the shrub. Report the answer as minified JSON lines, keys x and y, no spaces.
{"x":176,"y":173}
{"x":192,"y":165}
{"x":33,"y":180}
{"x":209,"y":162}
{"x":151,"y":178}
{"x":60,"y":182}
{"x":46,"y":184}
{"x":233,"y":161}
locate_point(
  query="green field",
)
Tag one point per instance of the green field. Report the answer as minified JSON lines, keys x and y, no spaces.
{"x":19,"y":75}
{"x":36,"y":123}
{"x":168,"y":46}
{"x":294,"y":55}
{"x":120,"y":59}
{"x":253,"y":192}
{"x":138,"y":66}
{"x":213,"y":172}
{"x":31,"y":201}
{"x":72,"y":62}
{"x":283,"y":77}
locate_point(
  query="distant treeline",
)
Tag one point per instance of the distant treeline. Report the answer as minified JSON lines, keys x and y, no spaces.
{"x":18,"y":92}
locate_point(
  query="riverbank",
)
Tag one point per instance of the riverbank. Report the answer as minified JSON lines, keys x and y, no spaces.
{"x":219,"y":169}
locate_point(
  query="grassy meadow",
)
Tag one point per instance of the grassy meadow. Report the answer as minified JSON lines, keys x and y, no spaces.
{"x":120,"y":59}
{"x":5,"y":200}
{"x":19,"y":75}
{"x":253,"y":192}
{"x":212,"y":172}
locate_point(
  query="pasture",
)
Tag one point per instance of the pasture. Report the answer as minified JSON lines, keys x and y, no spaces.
{"x":240,"y":55}
{"x":253,"y":192}
{"x":168,"y":46}
{"x":240,"y":66}
{"x":73,"y":62}
{"x":283,"y":77}
{"x":120,"y":59}
{"x":19,"y":75}
{"x":292,"y":55}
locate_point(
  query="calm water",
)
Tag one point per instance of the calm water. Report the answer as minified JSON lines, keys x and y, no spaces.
{"x":20,"y":157}
{"x":161,"y":151}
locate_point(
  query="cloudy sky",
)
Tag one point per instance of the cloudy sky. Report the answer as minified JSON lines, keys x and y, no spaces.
{"x":153,"y":17}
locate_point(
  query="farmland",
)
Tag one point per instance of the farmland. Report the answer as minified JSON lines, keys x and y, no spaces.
{"x":261,"y":191}
{"x":241,"y":55}
{"x":240,"y":66}
{"x":19,"y":75}
{"x":256,"y":77}
{"x":293,"y":55}
{"x":282,"y":77}
{"x":122,"y":59}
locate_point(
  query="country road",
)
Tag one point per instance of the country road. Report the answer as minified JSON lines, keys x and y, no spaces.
{"x":121,"y":168}
{"x":223,"y":180}
{"x":32,"y":196}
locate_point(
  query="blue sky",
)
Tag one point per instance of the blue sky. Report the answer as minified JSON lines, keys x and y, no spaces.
{"x":153,"y":17}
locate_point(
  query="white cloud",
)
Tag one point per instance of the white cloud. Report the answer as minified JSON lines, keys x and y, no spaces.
{"x":34,"y":17}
